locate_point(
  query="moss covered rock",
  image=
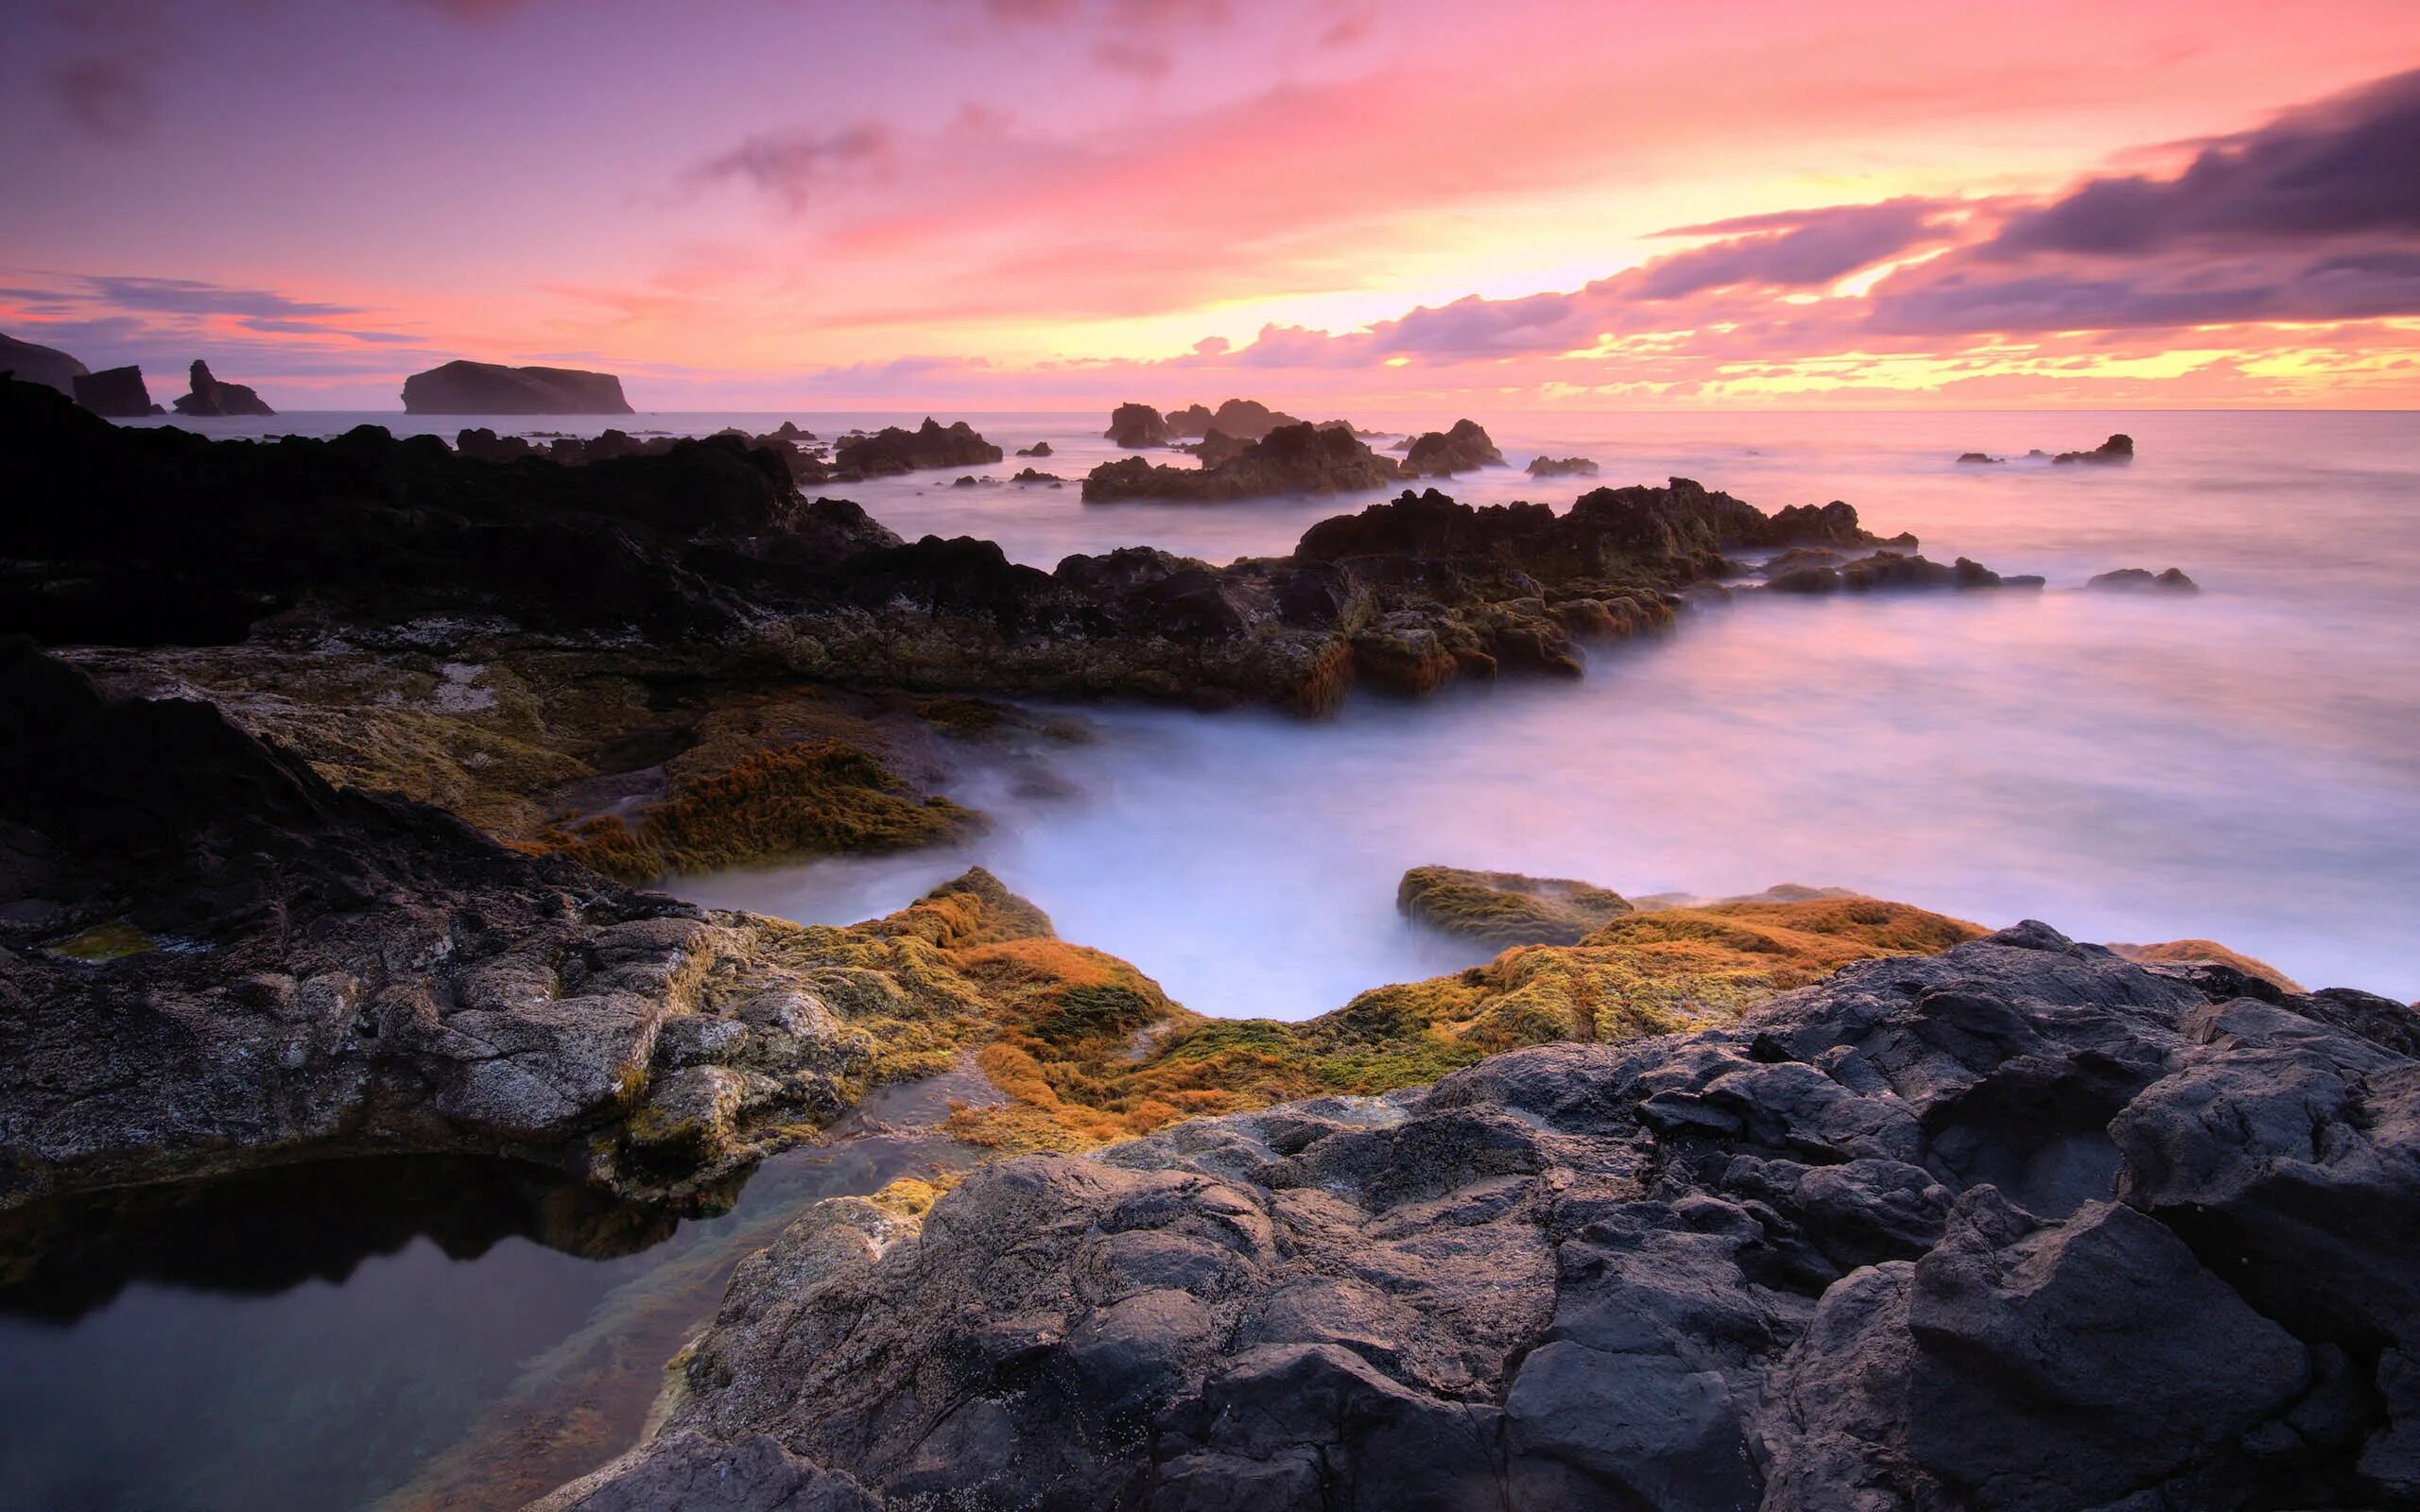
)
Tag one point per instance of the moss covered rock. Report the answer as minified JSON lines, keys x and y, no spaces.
{"x":1504,"y":907}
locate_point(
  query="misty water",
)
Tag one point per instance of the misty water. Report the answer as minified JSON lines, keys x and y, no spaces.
{"x":2239,"y":765}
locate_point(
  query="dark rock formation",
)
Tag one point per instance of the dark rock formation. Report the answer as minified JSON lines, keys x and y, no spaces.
{"x":892,"y":450}
{"x":2116,"y":451}
{"x":2142,"y":579}
{"x":490,"y":388}
{"x":1028,"y":474}
{"x":1504,"y":908}
{"x":1805,"y":573}
{"x":2018,"y":1226}
{"x":1298,"y":458}
{"x":1561,"y":466}
{"x":1246,"y":420}
{"x":1978,"y":458}
{"x":1136,"y":427}
{"x":46,"y":366}
{"x":117,"y":392}
{"x":1037,"y":449}
{"x":1466,"y":448}
{"x":1217,"y":448}
{"x":211,"y":397}
{"x":210,"y":959}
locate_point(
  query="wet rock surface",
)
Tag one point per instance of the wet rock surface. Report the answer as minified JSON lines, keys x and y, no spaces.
{"x":492,"y":388}
{"x":2019,"y":1224}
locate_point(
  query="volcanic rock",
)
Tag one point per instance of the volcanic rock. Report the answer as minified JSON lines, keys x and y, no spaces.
{"x":1135,"y":426}
{"x":892,"y":449}
{"x":211,"y":397}
{"x":1466,"y":448}
{"x":117,"y":392}
{"x":490,"y":388}
{"x":46,"y":366}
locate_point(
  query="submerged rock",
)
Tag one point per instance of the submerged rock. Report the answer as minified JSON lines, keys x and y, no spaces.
{"x":1561,"y":466}
{"x":117,"y":392}
{"x":1137,"y":427}
{"x":2142,"y":579}
{"x":1503,"y":908}
{"x":212,"y":397}
{"x":1466,"y":448}
{"x":892,"y":450}
{"x":2020,"y":1225}
{"x":46,"y":366}
{"x":490,"y":388}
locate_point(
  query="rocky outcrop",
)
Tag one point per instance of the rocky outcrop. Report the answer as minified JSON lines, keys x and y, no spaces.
{"x":1561,"y":466}
{"x":1505,"y":908}
{"x":1246,"y":420}
{"x":1216,"y":448}
{"x":2143,"y":580}
{"x":892,"y":449}
{"x":46,"y":366}
{"x":1037,"y":449}
{"x":1466,"y":448}
{"x":212,"y":397}
{"x":1829,"y":572}
{"x":1298,"y":458}
{"x":117,"y":392}
{"x":1978,"y":459}
{"x":490,"y":388}
{"x":2018,"y":1226}
{"x":1136,"y":427}
{"x":2115,"y":452}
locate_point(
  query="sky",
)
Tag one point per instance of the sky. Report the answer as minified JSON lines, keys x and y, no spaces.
{"x":1326,"y":204}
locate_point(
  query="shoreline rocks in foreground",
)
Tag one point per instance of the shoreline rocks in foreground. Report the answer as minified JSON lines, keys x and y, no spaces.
{"x":2020,"y":1225}
{"x":462,"y":387}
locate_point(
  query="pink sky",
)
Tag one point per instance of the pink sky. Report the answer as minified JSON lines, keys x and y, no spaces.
{"x":1328,"y":204}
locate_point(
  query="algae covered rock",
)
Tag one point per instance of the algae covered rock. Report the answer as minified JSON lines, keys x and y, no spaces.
{"x":1504,"y":907}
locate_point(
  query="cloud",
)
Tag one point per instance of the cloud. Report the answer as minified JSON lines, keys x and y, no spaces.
{"x":185,"y":296}
{"x":1798,"y":248}
{"x":795,"y":165}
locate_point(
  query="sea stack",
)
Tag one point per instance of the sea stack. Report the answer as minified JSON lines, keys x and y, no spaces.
{"x":211,"y":397}
{"x":46,"y":366}
{"x":117,"y":392}
{"x":490,"y":388}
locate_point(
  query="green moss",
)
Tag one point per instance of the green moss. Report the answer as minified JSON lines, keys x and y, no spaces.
{"x":113,"y":941}
{"x":1503,"y":908}
{"x":961,"y":716}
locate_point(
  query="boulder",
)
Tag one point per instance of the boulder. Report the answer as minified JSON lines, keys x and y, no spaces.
{"x":117,"y":392}
{"x":490,"y":388}
{"x":211,"y":397}
{"x":46,"y":366}
{"x":1465,"y":448}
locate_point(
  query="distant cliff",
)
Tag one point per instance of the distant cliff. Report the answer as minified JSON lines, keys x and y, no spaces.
{"x":487,"y":388}
{"x":46,"y":366}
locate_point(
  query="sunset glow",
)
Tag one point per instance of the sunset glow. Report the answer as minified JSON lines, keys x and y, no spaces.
{"x":1037,"y":203}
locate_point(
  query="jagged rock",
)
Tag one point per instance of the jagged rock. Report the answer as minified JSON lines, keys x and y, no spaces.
{"x":1561,"y":466}
{"x":2021,"y":1225}
{"x":46,"y":366}
{"x":1502,"y":908}
{"x":2141,"y":579}
{"x":211,"y":397}
{"x":1137,"y":427}
{"x":2116,"y":451}
{"x":1246,"y":420}
{"x":490,"y":388}
{"x":117,"y":392}
{"x":892,"y":450}
{"x":1466,"y":448}
{"x":1297,"y":458}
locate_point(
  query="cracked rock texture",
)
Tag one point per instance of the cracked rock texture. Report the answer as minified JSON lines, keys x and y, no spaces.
{"x":2020,"y":1225}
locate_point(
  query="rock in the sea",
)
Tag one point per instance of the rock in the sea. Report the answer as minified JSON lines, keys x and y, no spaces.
{"x":1978,"y":458}
{"x":490,"y":388}
{"x":1561,"y":466}
{"x":2021,"y":1225}
{"x":46,"y":366}
{"x":212,"y":397}
{"x":1466,"y":448}
{"x":1502,"y":908}
{"x":1297,"y":458}
{"x":892,"y":449}
{"x":2116,"y":451}
{"x":1135,"y":426}
{"x":1807,"y":573}
{"x":2143,"y":580}
{"x":1246,"y":420}
{"x":117,"y":392}
{"x":1037,"y":449}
